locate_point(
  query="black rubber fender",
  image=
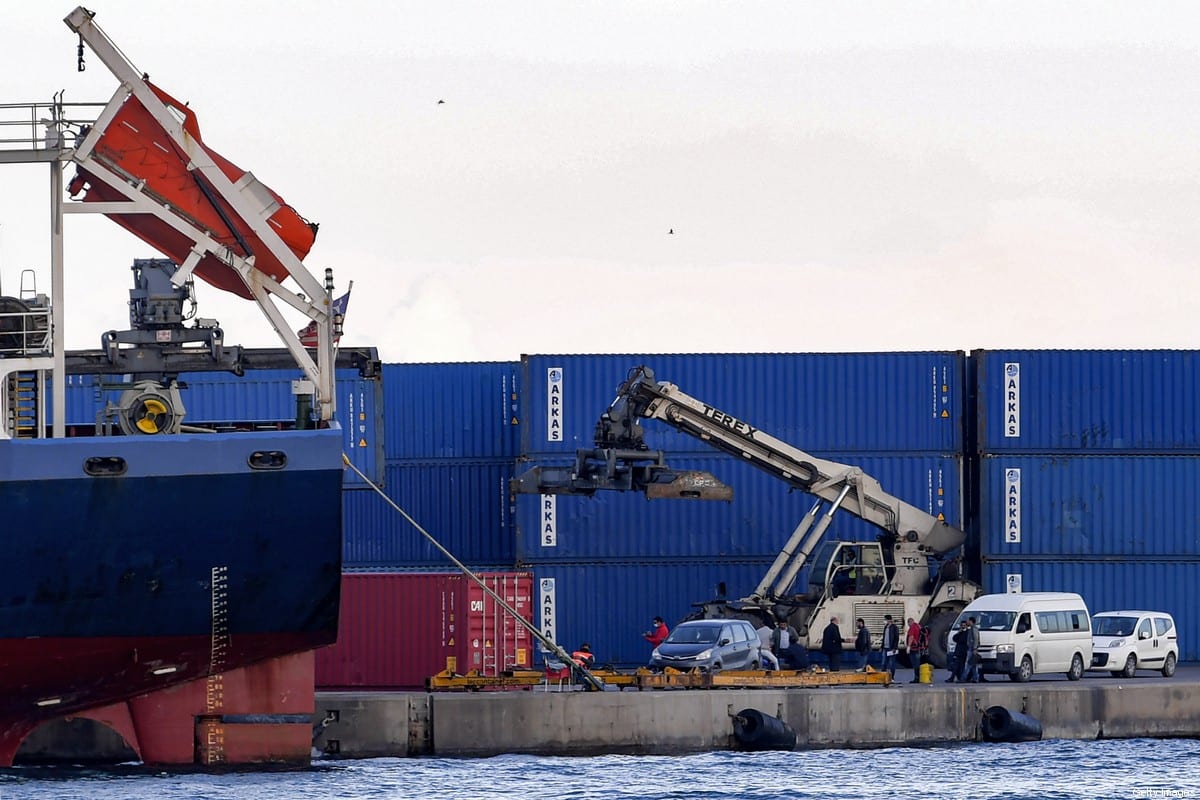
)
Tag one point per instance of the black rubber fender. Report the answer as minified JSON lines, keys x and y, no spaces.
{"x":1003,"y":725}
{"x":755,"y":730}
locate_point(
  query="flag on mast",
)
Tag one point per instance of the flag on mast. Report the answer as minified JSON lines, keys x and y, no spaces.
{"x":308,"y":334}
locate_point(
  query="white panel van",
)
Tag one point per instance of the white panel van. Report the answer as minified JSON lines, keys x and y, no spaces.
{"x":1023,"y":634}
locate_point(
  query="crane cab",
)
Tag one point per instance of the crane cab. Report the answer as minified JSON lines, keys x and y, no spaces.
{"x":848,"y":568}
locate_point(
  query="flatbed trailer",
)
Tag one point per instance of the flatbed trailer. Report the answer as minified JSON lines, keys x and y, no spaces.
{"x":644,"y":679}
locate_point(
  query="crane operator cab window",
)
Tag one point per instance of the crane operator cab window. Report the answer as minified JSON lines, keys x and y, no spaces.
{"x":857,"y":569}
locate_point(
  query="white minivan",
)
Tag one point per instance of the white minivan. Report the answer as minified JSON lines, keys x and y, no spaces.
{"x":1026,"y":633}
{"x":1126,"y":641}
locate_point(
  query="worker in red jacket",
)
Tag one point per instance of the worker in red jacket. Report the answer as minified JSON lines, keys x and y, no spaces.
{"x":657,"y":634}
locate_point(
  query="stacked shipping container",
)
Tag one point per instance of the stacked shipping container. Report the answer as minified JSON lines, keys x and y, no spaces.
{"x":1087,"y":474}
{"x":607,"y":565}
{"x":450,"y":432}
{"x":397,"y":629}
{"x":450,"y":443}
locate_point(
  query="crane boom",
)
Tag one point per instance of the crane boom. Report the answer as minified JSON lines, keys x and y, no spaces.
{"x":641,"y":397}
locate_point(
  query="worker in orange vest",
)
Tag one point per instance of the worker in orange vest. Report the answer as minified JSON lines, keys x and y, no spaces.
{"x":583,"y":656}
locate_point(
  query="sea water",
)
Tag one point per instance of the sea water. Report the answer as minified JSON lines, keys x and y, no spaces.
{"x":1125,"y":769}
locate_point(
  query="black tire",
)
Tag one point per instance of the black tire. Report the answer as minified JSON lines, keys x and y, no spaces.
{"x":1025,"y":671}
{"x":939,"y":636}
{"x":754,"y":665}
{"x":1129,"y":669}
{"x":1076,"y":670}
{"x":1169,"y":666}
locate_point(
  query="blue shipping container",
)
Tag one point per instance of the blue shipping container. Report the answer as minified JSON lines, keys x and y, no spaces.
{"x":1122,"y":506}
{"x":610,"y":606}
{"x":1113,"y":586}
{"x":360,"y":411}
{"x":456,"y":410}
{"x":464,"y":506}
{"x":1116,"y":401}
{"x":836,"y":402}
{"x":758,"y":521}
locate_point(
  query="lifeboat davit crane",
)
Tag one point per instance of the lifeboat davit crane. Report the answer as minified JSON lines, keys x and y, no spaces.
{"x":144,"y":164}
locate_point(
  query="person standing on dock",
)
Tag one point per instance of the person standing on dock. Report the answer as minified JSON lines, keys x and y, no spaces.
{"x":657,"y":634}
{"x":831,"y":644}
{"x":785,"y":642}
{"x":862,"y":644}
{"x":891,"y":644}
{"x":958,"y":659}
{"x":766,"y":657}
{"x":970,"y":672}
{"x":914,"y":647}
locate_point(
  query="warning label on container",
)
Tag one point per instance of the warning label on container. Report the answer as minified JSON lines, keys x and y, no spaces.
{"x":547,"y":613}
{"x":554,"y":404}
{"x":1012,"y":506}
{"x":941,"y":399}
{"x":549,"y":530}
{"x":1012,"y":399}
{"x":1012,"y":583}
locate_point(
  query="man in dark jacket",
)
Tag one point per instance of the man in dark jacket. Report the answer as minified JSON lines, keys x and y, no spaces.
{"x":862,"y":644}
{"x":891,"y":644}
{"x":831,"y":644}
{"x":960,"y":652}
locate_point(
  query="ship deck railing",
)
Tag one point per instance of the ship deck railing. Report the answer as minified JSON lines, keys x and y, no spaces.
{"x":31,"y":132}
{"x":25,"y":333}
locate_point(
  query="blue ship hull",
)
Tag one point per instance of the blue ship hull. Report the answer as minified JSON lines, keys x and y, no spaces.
{"x":181,"y":561}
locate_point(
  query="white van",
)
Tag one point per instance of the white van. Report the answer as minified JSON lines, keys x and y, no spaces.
{"x":1023,"y":634}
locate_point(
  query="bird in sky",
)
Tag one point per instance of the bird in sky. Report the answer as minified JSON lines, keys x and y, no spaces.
{"x":671,"y":231}
{"x":441,"y":102}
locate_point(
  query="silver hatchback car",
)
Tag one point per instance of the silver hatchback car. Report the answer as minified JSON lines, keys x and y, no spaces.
{"x":710,"y":645}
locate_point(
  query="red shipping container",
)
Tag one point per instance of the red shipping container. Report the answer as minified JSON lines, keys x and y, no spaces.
{"x":397,"y":629}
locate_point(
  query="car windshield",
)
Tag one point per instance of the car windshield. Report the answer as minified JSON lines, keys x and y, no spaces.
{"x":996,"y":620}
{"x":1113,"y":626}
{"x":694,"y":634}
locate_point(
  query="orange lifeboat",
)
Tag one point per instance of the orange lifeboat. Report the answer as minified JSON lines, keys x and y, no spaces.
{"x":136,"y":147}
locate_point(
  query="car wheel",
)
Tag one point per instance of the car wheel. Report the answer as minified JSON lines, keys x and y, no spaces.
{"x":1129,"y":669}
{"x":715,"y":668}
{"x":1025,"y":671}
{"x":1076,"y":670}
{"x":1169,"y":666}
{"x":754,"y":665}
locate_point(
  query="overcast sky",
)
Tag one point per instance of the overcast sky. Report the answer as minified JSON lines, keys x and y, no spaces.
{"x":839,"y":176}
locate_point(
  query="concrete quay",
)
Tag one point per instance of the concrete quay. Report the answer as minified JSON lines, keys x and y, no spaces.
{"x":480,"y":724}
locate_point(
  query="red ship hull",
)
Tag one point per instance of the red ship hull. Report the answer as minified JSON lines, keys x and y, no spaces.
{"x":103,"y":671}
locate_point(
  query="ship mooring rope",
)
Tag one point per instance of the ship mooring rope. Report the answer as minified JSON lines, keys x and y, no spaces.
{"x":553,"y":646}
